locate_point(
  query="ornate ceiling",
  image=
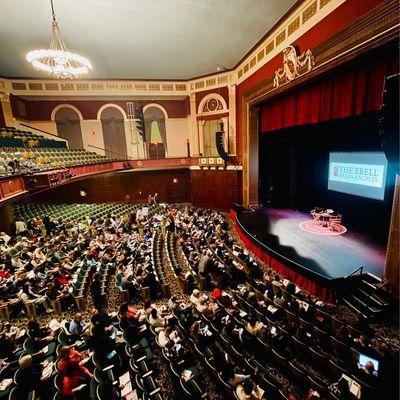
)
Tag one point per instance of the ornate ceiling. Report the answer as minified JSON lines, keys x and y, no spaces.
{"x":144,"y":39}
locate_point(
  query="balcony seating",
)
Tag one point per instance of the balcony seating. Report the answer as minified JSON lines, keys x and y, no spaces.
{"x":12,"y":137}
{"x":40,"y":159}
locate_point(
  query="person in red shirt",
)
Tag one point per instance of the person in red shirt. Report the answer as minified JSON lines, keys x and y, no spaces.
{"x":125,"y":310}
{"x":74,"y":374}
{"x":4,"y":272}
{"x":216,"y":294}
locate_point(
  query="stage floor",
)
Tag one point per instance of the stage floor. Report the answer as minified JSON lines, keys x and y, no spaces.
{"x":330,"y":256}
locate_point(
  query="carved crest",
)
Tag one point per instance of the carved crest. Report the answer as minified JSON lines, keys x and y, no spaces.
{"x":294,"y":65}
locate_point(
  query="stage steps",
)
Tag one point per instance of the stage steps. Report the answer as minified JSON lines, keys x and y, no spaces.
{"x":366,"y":296}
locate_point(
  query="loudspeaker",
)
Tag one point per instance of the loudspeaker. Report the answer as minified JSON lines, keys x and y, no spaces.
{"x":219,"y":142}
{"x":389,"y":119}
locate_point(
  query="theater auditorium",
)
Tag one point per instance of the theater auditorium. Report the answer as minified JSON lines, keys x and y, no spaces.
{"x":199,"y":199}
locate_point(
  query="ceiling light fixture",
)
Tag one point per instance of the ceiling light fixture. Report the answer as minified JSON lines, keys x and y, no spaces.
{"x":57,"y":61}
{"x":221,"y":68}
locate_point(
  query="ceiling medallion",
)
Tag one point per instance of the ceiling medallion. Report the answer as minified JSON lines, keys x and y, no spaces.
{"x":57,"y":61}
{"x":294,"y":65}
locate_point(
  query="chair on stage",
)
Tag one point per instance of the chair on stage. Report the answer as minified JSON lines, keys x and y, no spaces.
{"x":316,"y":216}
{"x":335,"y":220}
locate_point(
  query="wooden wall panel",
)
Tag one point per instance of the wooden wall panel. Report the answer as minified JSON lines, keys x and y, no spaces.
{"x":11,"y":186}
{"x":216,"y":189}
{"x":116,"y":186}
{"x":392,"y":267}
{"x":205,"y":188}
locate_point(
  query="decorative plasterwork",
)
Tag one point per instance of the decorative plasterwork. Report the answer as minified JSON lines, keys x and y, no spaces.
{"x":5,"y":97}
{"x":304,"y":17}
{"x":212,"y":104}
{"x":293,"y":65}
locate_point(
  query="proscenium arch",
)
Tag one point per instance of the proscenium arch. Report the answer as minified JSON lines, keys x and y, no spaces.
{"x":212,"y":96}
{"x":66,"y":105}
{"x":111,"y":105}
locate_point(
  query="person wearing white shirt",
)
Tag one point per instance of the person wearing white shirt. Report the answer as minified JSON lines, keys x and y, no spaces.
{"x":20,"y":227}
{"x":164,"y":337}
{"x":195,"y":297}
{"x":155,"y":319}
{"x":5,"y":237}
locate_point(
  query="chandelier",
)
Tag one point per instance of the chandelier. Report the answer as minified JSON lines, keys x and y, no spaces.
{"x":57,"y":61}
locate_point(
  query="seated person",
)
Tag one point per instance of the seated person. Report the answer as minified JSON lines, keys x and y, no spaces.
{"x":254,"y":326}
{"x":69,"y":364}
{"x":234,"y":378}
{"x":195,"y":296}
{"x":30,"y":374}
{"x":164,"y":336}
{"x":78,"y":326}
{"x":362,"y":345}
{"x":26,"y":295}
{"x":203,"y":307}
{"x":125,"y":310}
{"x":248,"y":391}
{"x":156,"y":320}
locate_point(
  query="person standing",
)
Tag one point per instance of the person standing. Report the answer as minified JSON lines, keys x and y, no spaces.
{"x":20,"y":227}
{"x":95,"y":290}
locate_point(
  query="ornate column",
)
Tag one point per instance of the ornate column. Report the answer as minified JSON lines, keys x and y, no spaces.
{"x":232,"y":119}
{"x":252,"y":155}
{"x":6,"y":107}
{"x":201,"y":136}
{"x":193,"y":127}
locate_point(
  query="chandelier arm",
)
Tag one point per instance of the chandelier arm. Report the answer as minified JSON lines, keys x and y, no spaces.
{"x":52,"y":10}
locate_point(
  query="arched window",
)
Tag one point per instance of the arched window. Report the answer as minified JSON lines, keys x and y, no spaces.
{"x":156,"y":135}
{"x":113,"y":126}
{"x":212,"y":107}
{"x":69,"y":127}
{"x":212,"y":104}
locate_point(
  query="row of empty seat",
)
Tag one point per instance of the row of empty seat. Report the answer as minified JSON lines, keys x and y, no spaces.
{"x":10,"y":136}
{"x":39,"y":159}
{"x":71,"y":212}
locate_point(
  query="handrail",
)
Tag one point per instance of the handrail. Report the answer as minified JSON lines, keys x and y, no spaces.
{"x":41,"y":130}
{"x":118,"y":154}
{"x":356,"y":270}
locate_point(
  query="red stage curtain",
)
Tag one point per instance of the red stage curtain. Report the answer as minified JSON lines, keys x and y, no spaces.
{"x":289,"y":111}
{"x":352,"y":92}
{"x":300,"y":280}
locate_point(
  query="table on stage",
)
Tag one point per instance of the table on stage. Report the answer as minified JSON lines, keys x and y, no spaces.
{"x":326,"y":218}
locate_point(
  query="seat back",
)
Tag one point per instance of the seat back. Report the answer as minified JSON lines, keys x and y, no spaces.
{"x":282,"y":362}
{"x":300,"y":348}
{"x":297,"y":373}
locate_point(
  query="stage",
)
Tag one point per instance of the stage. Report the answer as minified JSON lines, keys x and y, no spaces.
{"x":324,"y":259}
